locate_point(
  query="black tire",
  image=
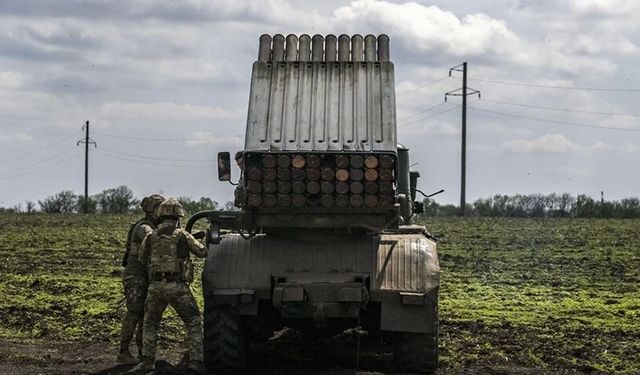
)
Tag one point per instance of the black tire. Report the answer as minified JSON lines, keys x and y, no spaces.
{"x":225,"y":343}
{"x":416,"y":352}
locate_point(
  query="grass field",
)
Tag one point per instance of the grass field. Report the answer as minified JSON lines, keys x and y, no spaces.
{"x":516,"y":293}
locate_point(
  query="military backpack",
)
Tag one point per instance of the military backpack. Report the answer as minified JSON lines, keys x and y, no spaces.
{"x":170,"y":255}
{"x":132,"y":226}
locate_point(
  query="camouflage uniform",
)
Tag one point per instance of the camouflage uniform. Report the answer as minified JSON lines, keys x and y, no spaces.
{"x":238,"y":192}
{"x":135,"y":280}
{"x":167,"y":250}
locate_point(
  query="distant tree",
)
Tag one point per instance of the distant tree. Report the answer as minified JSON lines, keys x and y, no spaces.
{"x":500,"y":205}
{"x":431,"y":208}
{"x":117,"y":200}
{"x":192,"y":206}
{"x":11,"y":210}
{"x":483,"y":207}
{"x":30,"y":206}
{"x":562,"y":205}
{"x":65,"y":201}
{"x":585,"y":206}
{"x":540,"y":205}
{"x":91,"y":203}
{"x":629,"y":208}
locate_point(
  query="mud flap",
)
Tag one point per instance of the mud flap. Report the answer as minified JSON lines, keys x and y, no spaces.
{"x":409,"y":312}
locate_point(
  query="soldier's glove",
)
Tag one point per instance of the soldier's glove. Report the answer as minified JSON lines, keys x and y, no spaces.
{"x":199,"y":234}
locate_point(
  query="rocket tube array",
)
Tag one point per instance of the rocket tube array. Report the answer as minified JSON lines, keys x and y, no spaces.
{"x":328,"y":48}
{"x":320,"y":180}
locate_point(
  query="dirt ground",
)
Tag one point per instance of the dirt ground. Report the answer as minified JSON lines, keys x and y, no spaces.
{"x":98,"y":359}
{"x":37,"y":357}
{"x":523,"y":296}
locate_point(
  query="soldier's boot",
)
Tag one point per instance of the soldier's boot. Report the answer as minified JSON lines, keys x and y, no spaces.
{"x":147,"y":365}
{"x":125,"y":356}
{"x":197,"y":367}
{"x":186,"y":358}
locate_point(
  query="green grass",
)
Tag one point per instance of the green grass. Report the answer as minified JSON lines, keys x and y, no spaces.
{"x":540,"y":293}
{"x":61,"y":277}
{"x":549,"y":294}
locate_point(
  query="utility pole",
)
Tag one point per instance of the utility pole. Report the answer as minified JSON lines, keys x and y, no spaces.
{"x":87,"y":141}
{"x":463,"y":91}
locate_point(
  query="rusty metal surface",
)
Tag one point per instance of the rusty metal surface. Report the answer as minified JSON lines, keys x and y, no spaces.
{"x":394,"y":262}
{"x":296,"y":104}
{"x":322,"y":106}
{"x":406,"y":262}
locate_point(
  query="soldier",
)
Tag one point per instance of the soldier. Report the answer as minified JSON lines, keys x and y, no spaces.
{"x":135,"y":279}
{"x":166,"y":251}
{"x":238,"y":193}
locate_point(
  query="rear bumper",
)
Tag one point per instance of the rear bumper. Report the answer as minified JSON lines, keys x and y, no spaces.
{"x":320,"y":300}
{"x":330,"y":276}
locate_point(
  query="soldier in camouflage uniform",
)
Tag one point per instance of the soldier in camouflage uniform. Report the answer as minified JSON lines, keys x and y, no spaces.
{"x":238,"y":193}
{"x":135,"y":279}
{"x":167,"y":252}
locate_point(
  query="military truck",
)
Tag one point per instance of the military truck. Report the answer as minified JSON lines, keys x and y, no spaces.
{"x":324,"y":233}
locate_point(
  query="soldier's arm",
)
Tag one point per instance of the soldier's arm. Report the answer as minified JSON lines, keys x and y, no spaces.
{"x":195,"y":246}
{"x":143,"y":230}
{"x":145,"y":250}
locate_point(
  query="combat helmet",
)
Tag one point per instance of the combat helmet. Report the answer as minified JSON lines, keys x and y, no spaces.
{"x":150,"y":203}
{"x":170,"y":208}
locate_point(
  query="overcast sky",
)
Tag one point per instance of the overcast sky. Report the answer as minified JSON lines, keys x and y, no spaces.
{"x":165,"y":85}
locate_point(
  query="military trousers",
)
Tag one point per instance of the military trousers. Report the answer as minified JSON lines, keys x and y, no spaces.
{"x":179,"y":296}
{"x":135,"y":293}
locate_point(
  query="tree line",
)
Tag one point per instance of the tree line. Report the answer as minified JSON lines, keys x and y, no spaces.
{"x":539,"y":206}
{"x":121,"y":200}
{"x":118,"y":200}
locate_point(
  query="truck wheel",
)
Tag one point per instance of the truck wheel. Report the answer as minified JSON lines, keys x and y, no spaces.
{"x":416,"y":352}
{"x":225,"y":345}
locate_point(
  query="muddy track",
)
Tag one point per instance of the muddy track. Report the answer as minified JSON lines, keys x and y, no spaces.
{"x":39,"y":357}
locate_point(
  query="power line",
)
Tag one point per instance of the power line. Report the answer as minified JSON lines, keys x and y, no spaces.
{"x":39,"y":169}
{"x":87,"y":141}
{"x":146,"y":138}
{"x":553,"y":121}
{"x":428,"y":117}
{"x":39,"y":150}
{"x":562,"y":109}
{"x":463,"y":91}
{"x":40,"y":162}
{"x":422,"y":86}
{"x":155,"y":158}
{"x":526,"y":84}
{"x":421,"y":112}
{"x":115,"y":156}
{"x":456,"y":106}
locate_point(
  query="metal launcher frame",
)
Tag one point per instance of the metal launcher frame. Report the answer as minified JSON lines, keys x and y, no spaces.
{"x":320,"y":146}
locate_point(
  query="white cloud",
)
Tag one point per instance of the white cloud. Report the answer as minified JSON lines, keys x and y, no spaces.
{"x":11,"y":80}
{"x":546,"y":144}
{"x":434,"y":128}
{"x":211,"y":138}
{"x":22,"y":137}
{"x":600,"y":147}
{"x":595,"y":44}
{"x":629,"y":148}
{"x":493,"y":128}
{"x":429,"y":29}
{"x":606,"y":7}
{"x":162,"y":112}
{"x":182,"y":70}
